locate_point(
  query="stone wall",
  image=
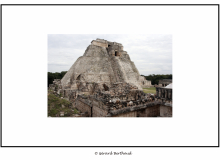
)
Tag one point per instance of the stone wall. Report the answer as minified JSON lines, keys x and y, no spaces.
{"x":165,"y":111}
{"x":83,"y":107}
{"x":129,"y":114}
{"x":101,"y":44}
{"x":164,"y":93}
{"x":141,"y":113}
{"x":153,"y":111}
{"x":144,"y":83}
{"x":98,"y":112}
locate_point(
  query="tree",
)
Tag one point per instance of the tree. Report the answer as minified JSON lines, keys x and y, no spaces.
{"x":51,"y":76}
{"x":155,"y":78}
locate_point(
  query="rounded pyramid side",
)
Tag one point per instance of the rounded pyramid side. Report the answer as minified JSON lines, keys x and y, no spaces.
{"x":93,"y":66}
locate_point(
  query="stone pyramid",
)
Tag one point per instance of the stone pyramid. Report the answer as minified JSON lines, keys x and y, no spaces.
{"x":106,"y":63}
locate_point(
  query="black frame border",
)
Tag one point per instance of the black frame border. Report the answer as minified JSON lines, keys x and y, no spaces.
{"x":109,"y":5}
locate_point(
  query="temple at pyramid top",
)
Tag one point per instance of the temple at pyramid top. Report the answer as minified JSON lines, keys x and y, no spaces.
{"x":113,"y":47}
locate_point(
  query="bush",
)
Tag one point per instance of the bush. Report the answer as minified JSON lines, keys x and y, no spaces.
{"x":53,"y":112}
{"x":75,"y":111}
{"x":55,"y":106}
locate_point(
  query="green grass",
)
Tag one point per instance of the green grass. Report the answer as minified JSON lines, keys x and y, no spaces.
{"x":75,"y":111}
{"x":55,"y":106}
{"x":150,"y":90}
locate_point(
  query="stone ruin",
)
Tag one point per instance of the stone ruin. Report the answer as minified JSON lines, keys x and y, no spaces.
{"x":104,"y":82}
{"x":164,"y":82}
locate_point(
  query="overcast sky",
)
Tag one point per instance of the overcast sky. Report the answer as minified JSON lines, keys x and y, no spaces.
{"x":151,"y":53}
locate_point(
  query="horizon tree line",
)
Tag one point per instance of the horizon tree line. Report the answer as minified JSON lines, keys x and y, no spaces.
{"x":154,"y":78}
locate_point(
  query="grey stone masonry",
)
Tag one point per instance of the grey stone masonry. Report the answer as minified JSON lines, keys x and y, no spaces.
{"x":105,"y":62}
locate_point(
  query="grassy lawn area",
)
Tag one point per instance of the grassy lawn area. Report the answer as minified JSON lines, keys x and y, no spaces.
{"x":149,"y":90}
